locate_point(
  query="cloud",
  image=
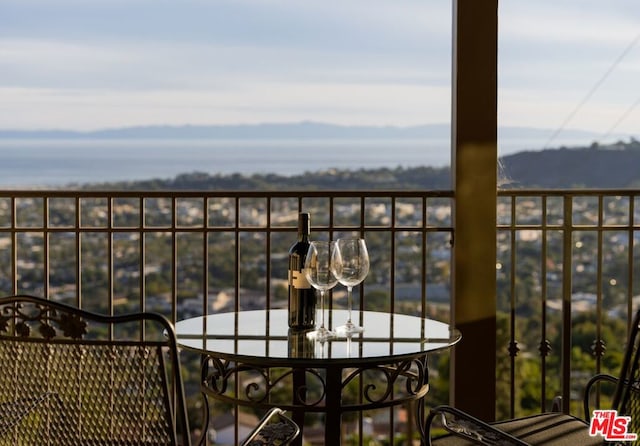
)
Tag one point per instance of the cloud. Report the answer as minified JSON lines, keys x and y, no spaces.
{"x":569,"y":60}
{"x":99,"y":63}
{"x":141,"y":62}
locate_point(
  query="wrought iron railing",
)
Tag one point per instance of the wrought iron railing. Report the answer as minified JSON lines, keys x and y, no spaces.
{"x":193,"y":253}
{"x":567,"y":266}
{"x":568,"y":282}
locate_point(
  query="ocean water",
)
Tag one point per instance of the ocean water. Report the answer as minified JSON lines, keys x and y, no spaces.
{"x":61,"y":162}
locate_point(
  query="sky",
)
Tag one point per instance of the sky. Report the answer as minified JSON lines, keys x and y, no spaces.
{"x":96,"y":64}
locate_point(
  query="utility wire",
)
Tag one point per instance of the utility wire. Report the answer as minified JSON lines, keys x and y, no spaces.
{"x":619,"y":121}
{"x":592,"y":91}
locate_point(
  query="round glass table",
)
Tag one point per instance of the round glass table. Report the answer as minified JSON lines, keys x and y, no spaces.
{"x":252,"y":358}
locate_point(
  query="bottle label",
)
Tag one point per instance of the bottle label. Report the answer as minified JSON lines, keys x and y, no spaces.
{"x":297,"y":279}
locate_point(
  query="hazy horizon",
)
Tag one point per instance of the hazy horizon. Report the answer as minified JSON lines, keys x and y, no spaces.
{"x":45,"y":161}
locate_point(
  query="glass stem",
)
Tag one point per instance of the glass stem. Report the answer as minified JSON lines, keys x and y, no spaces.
{"x":322,"y":309}
{"x":349,"y":301}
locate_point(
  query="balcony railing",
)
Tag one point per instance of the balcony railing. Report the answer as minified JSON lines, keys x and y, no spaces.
{"x":566,"y":268}
{"x":185,"y":254}
{"x":568,"y":283}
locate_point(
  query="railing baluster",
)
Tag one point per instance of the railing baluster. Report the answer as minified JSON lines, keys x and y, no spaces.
{"x":544,"y":345}
{"x":513,"y":348}
{"x":567,"y":273}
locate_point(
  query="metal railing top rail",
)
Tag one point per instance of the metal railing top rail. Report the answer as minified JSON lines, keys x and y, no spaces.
{"x":524,"y":192}
{"x":80,"y":193}
{"x":85,"y":192}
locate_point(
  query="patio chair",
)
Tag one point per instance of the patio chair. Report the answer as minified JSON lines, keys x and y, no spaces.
{"x":73,"y":377}
{"x":554,"y":428}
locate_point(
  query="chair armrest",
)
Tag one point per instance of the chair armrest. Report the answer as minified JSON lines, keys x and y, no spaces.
{"x":587,"y":391}
{"x":274,"y":429}
{"x":461,"y":424}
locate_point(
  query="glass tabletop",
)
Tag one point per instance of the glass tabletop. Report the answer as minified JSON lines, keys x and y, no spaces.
{"x":264,"y":335}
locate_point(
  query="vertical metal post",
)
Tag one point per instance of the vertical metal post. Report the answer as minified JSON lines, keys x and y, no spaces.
{"x":299,"y":399}
{"x":78,"y":247}
{"x":474,"y":175}
{"x":333,"y":420}
{"x":567,"y":290}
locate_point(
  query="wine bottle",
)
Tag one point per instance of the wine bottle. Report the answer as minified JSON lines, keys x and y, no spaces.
{"x":299,"y":344}
{"x":302,"y":297}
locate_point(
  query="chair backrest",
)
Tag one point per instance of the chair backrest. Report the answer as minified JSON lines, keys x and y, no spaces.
{"x":72,"y":377}
{"x":626,"y":399}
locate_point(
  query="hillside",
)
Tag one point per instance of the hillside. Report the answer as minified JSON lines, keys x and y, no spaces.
{"x":612,"y":166}
{"x":363,"y":179}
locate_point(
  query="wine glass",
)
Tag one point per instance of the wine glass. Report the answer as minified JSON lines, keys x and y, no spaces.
{"x":319,"y":271}
{"x":351,"y":266}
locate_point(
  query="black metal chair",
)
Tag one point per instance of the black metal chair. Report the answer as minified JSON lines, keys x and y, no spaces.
{"x":552,"y":428}
{"x":72,"y":377}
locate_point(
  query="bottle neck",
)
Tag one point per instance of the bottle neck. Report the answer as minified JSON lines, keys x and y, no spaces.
{"x":303,"y":228}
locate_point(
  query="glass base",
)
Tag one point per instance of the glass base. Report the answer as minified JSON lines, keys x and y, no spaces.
{"x":349,"y":329}
{"x":322,"y":334}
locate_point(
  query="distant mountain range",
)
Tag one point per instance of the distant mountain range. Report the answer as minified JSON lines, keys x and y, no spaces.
{"x":301,"y":130}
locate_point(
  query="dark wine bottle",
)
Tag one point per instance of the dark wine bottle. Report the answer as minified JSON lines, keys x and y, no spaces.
{"x":300,"y":345}
{"x":302,"y":297}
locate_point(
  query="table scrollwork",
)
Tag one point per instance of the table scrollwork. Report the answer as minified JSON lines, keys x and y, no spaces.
{"x":362,"y":387}
{"x":413,"y":373}
{"x":258,"y":383}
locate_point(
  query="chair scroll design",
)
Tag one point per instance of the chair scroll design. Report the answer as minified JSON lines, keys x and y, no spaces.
{"x":550,"y":428}
{"x":70,"y":376}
